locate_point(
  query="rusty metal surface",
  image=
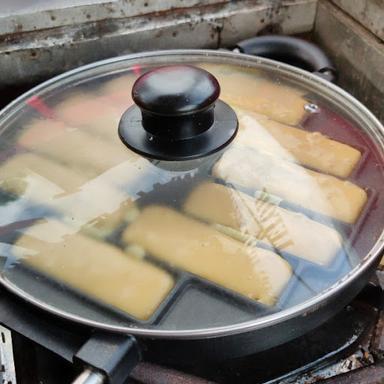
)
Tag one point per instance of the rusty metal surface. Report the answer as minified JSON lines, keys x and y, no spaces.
{"x":373,"y":374}
{"x":27,"y":15}
{"x":40,"y":15}
{"x":147,"y":373}
{"x":358,"y":54}
{"x":378,"y":339}
{"x":370,"y":13}
{"x":359,"y":357}
{"x":40,"y":54}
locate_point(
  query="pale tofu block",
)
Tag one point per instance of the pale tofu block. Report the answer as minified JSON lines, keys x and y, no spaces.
{"x":89,"y":155}
{"x":118,"y":91}
{"x":249,"y":89}
{"x":27,"y":170}
{"x":106,"y":127}
{"x":198,"y":248}
{"x":100,"y":202}
{"x":38,"y":131}
{"x":318,"y":192}
{"x":105,"y":225}
{"x":100,"y":271}
{"x":95,"y":201}
{"x":311,"y":149}
{"x":83,"y":109}
{"x":99,"y":125}
{"x":91,"y":113}
{"x":97,"y":206}
{"x":81,"y":151}
{"x":283,"y":229}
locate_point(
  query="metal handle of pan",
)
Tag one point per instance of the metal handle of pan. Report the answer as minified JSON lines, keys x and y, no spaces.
{"x":90,"y":376}
{"x":293,"y":51}
{"x":107,"y":358}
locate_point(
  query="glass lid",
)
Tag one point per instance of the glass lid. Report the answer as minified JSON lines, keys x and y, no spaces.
{"x":184,"y":193}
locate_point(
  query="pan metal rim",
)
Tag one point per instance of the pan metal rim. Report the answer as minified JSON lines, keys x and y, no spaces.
{"x":338,"y":96}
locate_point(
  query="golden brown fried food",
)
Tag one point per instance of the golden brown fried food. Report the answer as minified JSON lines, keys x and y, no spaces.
{"x":311,"y":149}
{"x":100,"y":271}
{"x":28,"y":171}
{"x":250,"y":90}
{"x":283,"y":229}
{"x":198,"y":248}
{"x":318,"y":192}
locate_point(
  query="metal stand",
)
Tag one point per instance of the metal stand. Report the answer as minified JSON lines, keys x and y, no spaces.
{"x":7,"y":365}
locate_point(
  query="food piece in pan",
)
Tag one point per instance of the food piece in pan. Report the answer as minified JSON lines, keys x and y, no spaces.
{"x":98,"y":114}
{"x":118,"y":92}
{"x":79,"y":109}
{"x":105,"y":225}
{"x":100,"y":271}
{"x":198,"y":248}
{"x":79,"y":150}
{"x":38,"y":131}
{"x":83,"y":109}
{"x":94,"y":208}
{"x":283,"y":229}
{"x":106,"y":127}
{"x":91,"y":117}
{"x":251,"y":91}
{"x":92,"y":114}
{"x":30,"y":173}
{"x":315,"y":191}
{"x":101,"y":162}
{"x":102,"y":201}
{"x":311,"y":149}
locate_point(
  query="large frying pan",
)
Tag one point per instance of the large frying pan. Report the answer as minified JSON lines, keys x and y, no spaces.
{"x":171,"y":142}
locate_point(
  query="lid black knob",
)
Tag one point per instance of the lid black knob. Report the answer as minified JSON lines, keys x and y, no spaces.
{"x":177,"y":115}
{"x":176,"y":101}
{"x":175,"y":90}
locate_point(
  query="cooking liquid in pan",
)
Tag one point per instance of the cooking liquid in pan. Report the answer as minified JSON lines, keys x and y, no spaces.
{"x":207,"y":240}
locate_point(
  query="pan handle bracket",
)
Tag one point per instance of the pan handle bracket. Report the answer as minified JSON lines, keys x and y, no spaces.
{"x":107,"y":358}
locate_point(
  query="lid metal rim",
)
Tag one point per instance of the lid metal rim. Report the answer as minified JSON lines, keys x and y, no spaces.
{"x":311,"y":305}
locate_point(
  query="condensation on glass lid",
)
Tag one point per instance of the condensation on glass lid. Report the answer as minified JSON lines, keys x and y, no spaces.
{"x":97,"y":232}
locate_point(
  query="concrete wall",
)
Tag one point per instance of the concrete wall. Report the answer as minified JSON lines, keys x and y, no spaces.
{"x":39,"y":44}
{"x":358,"y":54}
